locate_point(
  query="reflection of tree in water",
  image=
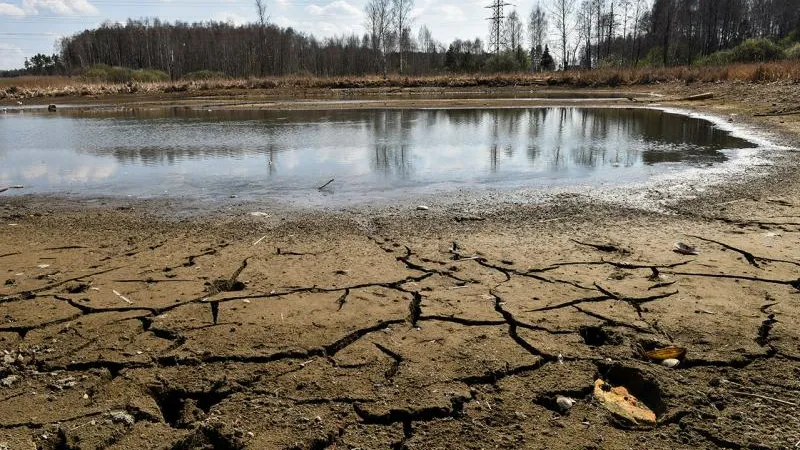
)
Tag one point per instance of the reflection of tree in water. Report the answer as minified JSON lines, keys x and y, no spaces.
{"x":391,"y":130}
{"x":556,"y":137}
{"x":536,"y":121}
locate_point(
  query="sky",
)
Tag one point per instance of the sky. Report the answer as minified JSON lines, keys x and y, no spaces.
{"x":28,"y":27}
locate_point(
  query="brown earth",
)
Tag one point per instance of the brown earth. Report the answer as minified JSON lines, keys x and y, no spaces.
{"x":407,"y":329}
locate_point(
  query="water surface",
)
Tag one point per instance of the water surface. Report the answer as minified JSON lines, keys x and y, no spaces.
{"x":372,"y":154}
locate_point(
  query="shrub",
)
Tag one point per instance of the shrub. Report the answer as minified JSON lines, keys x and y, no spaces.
{"x":108,"y":74}
{"x":149,"y":76}
{"x":719,"y":58}
{"x":756,"y":50}
{"x":202,"y":75}
{"x":793,"y":52}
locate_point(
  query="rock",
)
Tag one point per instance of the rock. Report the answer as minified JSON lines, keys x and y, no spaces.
{"x":671,"y":363}
{"x":9,"y":380}
{"x":51,"y":108}
{"x":122,"y":417}
{"x":564,"y":403}
{"x":422,"y":208}
{"x":8,"y":360}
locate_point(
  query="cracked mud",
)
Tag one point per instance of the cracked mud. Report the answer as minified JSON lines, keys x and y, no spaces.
{"x":187,"y":335}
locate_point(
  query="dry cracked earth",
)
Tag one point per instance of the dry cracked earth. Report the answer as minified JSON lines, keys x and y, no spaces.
{"x":120,"y":331}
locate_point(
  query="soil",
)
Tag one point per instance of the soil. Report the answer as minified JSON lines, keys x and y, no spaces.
{"x":124,"y":325}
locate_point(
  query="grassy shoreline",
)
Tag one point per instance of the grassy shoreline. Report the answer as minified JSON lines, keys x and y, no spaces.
{"x":28,"y":87}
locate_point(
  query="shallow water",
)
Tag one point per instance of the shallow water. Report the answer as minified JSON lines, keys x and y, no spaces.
{"x":372,"y":154}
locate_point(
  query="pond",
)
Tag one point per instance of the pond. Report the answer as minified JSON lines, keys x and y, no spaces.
{"x":372,"y":154}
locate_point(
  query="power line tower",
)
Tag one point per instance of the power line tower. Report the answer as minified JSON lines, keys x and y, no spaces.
{"x":496,"y":22}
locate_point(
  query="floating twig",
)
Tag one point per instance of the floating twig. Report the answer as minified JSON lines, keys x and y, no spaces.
{"x":326,"y":184}
{"x":11,"y":187}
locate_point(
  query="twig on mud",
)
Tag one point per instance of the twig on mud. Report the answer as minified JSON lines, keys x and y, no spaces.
{"x":153,"y":281}
{"x":260,"y":240}
{"x":764,"y":397}
{"x":326,"y":184}
{"x":125,"y":299}
{"x":280,"y":252}
{"x":777,"y":114}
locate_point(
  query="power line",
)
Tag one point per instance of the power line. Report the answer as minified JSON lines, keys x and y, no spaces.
{"x":496,"y":23}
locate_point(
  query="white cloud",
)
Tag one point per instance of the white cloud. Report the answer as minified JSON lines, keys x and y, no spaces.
{"x":448,"y":13}
{"x":7,"y":9}
{"x":60,"y":7}
{"x":339,"y":8}
{"x":11,"y":57}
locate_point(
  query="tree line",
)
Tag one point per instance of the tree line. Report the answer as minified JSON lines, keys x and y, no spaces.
{"x":557,"y":34}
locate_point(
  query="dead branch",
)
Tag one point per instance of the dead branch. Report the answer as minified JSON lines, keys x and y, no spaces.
{"x":11,"y":187}
{"x":326,"y":184}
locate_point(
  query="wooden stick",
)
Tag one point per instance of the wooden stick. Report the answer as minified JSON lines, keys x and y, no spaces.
{"x":764,"y":397}
{"x":787,"y":113}
{"x":122,"y":297}
{"x":326,"y":184}
{"x":11,"y":187}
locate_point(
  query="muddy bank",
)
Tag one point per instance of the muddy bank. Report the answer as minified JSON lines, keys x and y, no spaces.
{"x":125,"y":326}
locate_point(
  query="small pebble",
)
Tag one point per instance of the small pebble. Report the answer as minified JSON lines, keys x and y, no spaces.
{"x":564,"y":403}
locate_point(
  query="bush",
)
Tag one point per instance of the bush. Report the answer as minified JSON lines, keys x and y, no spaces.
{"x":149,"y":76}
{"x":719,"y":58}
{"x":108,"y":74}
{"x":756,"y":50}
{"x":202,"y":75}
{"x":793,"y":52}
{"x":749,"y":51}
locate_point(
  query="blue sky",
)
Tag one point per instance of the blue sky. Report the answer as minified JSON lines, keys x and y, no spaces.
{"x":32,"y":26}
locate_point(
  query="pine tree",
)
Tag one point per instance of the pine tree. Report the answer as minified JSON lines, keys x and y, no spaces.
{"x":547,"y":64}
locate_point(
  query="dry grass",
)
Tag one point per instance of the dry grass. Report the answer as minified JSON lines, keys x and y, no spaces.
{"x":782,"y":71}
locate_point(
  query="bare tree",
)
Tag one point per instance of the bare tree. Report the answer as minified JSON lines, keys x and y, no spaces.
{"x":585,"y":24}
{"x":378,"y":25}
{"x":261,"y":10}
{"x":513,"y":31}
{"x":401,"y":11}
{"x":537,"y":30}
{"x":562,"y":15}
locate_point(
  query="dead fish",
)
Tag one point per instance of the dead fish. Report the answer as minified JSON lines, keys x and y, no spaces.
{"x":684,"y":249}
